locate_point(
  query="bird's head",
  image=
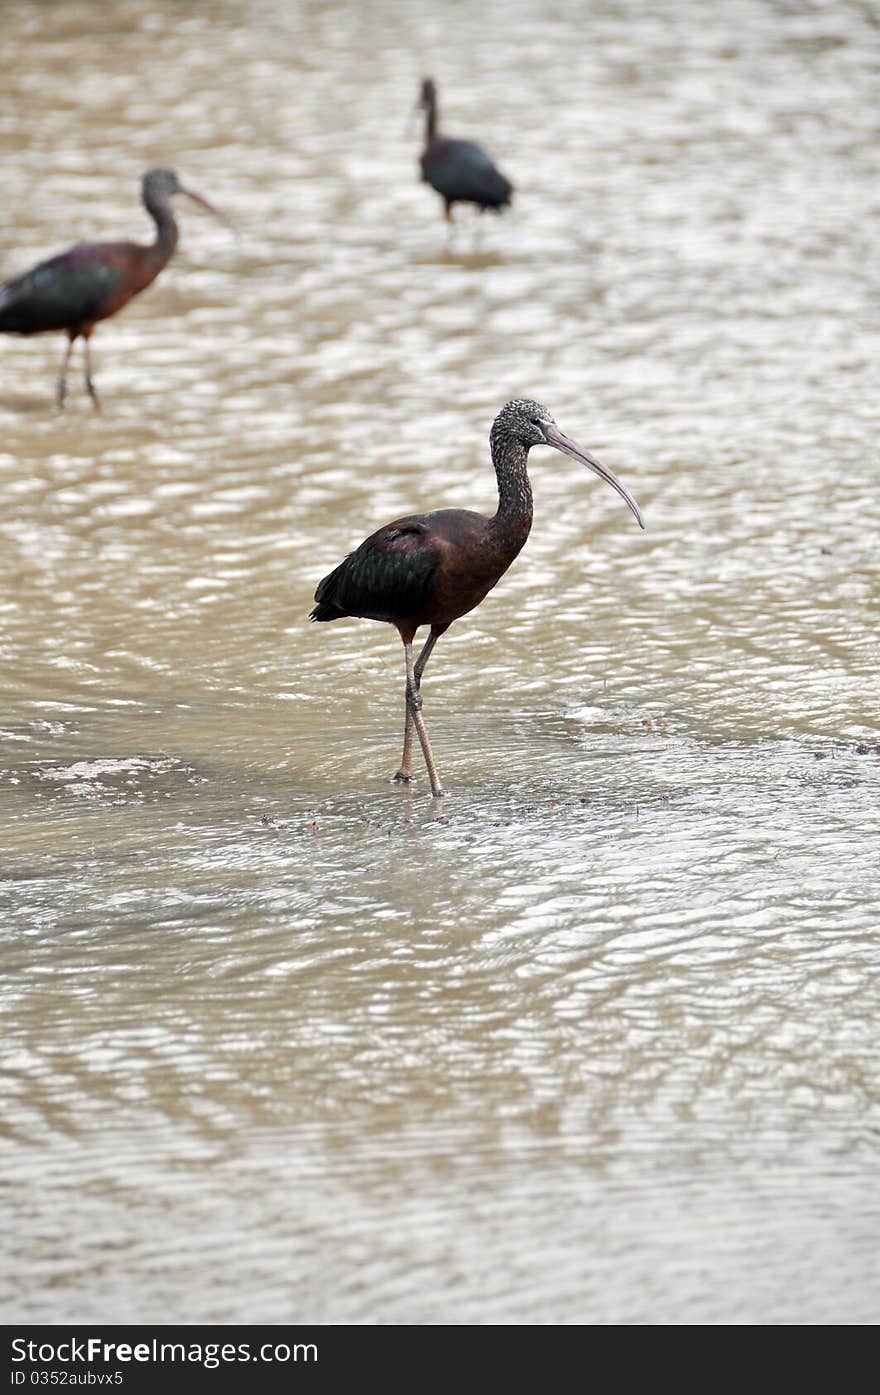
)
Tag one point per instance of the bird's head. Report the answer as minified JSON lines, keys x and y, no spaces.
{"x":428,"y":94}
{"x":530,"y":424}
{"x":160,"y":185}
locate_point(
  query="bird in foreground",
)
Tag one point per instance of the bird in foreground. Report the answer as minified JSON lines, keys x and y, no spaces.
{"x":89,"y":282}
{"x":432,"y":568}
{"x":459,"y":170}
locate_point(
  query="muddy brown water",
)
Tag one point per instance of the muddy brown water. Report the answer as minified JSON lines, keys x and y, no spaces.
{"x":595,"y":1038}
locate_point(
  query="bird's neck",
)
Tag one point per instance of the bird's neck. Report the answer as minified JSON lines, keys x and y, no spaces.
{"x":430,"y":120}
{"x":166,"y":227}
{"x":514,"y":517}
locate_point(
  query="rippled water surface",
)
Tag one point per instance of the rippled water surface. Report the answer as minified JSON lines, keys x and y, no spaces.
{"x":594,"y":1038}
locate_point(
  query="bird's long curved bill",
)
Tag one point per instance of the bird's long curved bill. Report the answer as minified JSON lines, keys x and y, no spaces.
{"x":559,"y":441}
{"x":209,"y":208}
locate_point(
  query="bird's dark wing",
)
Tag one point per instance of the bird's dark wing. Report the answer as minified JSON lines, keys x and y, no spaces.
{"x":462,"y":171}
{"x":68,"y":290}
{"x":386,"y":578}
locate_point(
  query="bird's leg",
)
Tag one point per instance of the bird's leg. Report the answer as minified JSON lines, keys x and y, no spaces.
{"x":90,"y":386}
{"x":404,"y":774}
{"x":414,"y":709}
{"x":478,"y":230}
{"x":425,"y":655}
{"x":450,"y":227}
{"x":62,"y":376}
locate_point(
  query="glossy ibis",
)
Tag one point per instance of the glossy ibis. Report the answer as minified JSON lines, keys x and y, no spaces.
{"x":431,"y":568}
{"x":459,"y":170}
{"x":92,"y":280}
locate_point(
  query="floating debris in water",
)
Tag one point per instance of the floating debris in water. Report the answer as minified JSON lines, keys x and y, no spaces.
{"x":121,"y":779}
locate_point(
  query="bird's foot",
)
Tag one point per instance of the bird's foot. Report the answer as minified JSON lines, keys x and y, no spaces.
{"x":401,"y":779}
{"x":438,"y":793}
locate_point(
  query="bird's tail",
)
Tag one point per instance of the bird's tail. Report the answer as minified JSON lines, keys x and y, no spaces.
{"x":326,"y":610}
{"x":328,"y":607}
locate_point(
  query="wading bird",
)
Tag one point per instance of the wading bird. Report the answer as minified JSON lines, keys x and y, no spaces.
{"x":92,"y":280}
{"x":459,"y":170}
{"x":432,"y":568}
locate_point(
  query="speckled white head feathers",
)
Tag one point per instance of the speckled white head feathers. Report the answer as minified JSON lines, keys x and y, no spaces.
{"x":522,"y":420}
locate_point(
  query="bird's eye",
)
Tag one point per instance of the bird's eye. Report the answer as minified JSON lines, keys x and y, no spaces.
{"x":534,"y":421}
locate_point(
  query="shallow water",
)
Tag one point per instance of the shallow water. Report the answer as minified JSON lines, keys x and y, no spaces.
{"x":594,"y":1038}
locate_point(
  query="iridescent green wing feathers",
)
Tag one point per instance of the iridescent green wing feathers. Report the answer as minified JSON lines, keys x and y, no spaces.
{"x":62,"y":293}
{"x":386,"y":578}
